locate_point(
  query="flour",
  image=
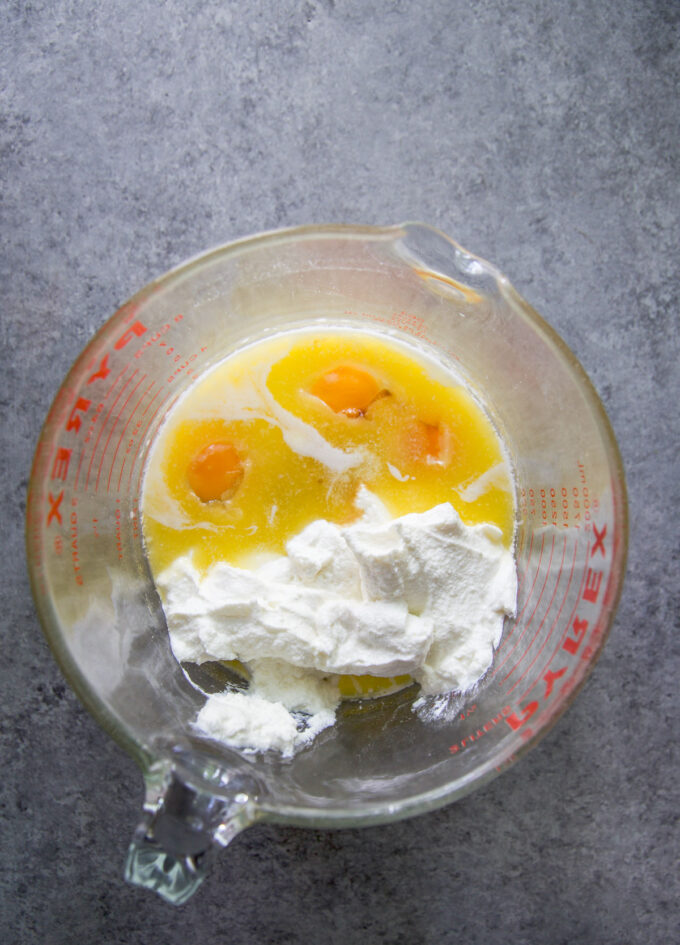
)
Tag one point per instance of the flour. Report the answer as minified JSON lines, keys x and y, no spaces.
{"x":284,"y":709}
{"x":422,"y":594}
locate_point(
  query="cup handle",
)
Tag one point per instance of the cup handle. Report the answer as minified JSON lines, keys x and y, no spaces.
{"x":183,"y":826}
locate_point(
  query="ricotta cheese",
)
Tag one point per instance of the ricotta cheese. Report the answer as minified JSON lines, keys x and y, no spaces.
{"x":422,"y":594}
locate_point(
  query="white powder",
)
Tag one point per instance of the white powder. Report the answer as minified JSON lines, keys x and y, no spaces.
{"x":248,"y":721}
{"x":422,"y":594}
{"x":284,"y":709}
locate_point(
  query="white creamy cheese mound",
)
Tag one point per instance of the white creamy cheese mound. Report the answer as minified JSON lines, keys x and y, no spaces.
{"x":423,"y":594}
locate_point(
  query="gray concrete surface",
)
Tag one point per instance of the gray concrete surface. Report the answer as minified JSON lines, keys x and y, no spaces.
{"x":543,"y":136}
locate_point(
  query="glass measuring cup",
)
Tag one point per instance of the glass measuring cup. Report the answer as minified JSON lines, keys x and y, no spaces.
{"x":102,"y":616}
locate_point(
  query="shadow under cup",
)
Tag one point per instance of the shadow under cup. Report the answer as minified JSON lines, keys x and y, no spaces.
{"x":382,"y":760}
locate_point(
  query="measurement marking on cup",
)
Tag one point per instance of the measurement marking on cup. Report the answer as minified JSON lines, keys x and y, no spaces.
{"x":587,"y":599}
{"x":506,"y":640}
{"x":520,"y":577}
{"x":101,"y":374}
{"x":483,"y":729}
{"x":533,"y":584}
{"x":141,"y":435}
{"x":538,"y":601}
{"x":160,"y":407}
{"x":576,"y":514}
{"x":560,"y":642}
{"x":122,"y":434}
{"x":547,"y":611}
{"x":526,"y":603}
{"x":580,"y":666}
{"x":80,"y":463}
{"x":113,"y":427}
{"x":151,"y":420}
{"x":101,"y":426}
{"x":75,"y":551}
{"x":136,"y":429}
{"x":139,"y":440}
{"x":554,"y":623}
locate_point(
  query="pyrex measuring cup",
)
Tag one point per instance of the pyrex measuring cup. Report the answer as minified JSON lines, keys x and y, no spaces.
{"x":382,"y":760}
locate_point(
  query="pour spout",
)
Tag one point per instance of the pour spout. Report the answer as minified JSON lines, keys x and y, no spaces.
{"x":188,"y":817}
{"x":440,"y":259}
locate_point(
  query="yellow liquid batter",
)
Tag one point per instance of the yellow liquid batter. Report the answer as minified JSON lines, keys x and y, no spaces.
{"x":422,"y":440}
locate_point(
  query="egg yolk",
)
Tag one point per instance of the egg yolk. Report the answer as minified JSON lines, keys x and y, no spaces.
{"x":346,"y":389}
{"x":215,"y":472}
{"x":424,"y":442}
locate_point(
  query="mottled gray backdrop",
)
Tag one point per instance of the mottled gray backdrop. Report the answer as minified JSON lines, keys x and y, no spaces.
{"x":542,"y":135}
